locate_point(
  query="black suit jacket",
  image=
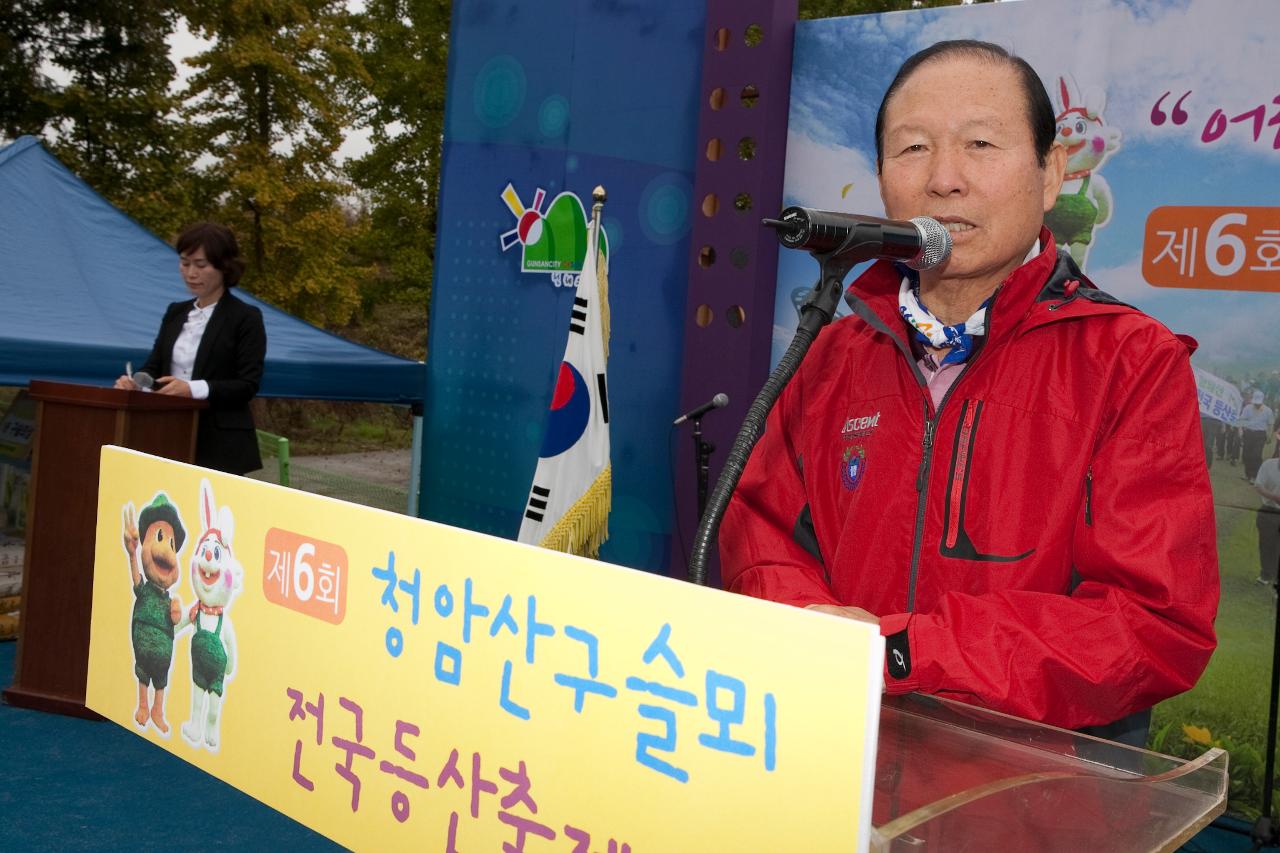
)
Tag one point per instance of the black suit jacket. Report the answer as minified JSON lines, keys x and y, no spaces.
{"x":230,"y":358}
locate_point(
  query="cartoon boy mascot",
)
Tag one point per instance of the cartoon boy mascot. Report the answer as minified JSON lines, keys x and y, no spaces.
{"x":154,"y":612}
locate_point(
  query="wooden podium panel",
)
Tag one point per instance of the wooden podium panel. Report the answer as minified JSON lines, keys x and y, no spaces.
{"x":72,"y":423}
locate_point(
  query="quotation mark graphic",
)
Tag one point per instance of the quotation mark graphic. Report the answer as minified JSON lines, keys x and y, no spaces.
{"x":1179,"y":116}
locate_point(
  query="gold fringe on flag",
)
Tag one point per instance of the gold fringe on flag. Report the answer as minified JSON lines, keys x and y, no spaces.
{"x":584,"y":527}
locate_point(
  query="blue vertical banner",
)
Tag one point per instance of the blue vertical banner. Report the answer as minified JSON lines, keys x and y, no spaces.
{"x":545,"y":102}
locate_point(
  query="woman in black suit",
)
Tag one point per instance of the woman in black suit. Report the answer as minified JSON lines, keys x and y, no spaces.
{"x":212,"y":348}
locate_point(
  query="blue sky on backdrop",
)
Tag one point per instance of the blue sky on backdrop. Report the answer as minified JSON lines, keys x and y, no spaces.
{"x":1133,"y":51}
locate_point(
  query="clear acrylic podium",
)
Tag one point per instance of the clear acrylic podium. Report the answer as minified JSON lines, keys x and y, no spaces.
{"x":953,"y":777}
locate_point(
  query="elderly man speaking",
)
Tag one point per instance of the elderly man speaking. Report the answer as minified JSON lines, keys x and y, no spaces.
{"x":993,"y":459}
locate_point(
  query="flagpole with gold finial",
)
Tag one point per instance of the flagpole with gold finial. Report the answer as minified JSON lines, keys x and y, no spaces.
{"x":598,"y":198}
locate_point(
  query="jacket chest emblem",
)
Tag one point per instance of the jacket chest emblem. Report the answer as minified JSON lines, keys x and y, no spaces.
{"x":853,"y":465}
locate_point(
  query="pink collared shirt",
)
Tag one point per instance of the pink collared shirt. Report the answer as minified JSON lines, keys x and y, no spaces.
{"x":938,"y":377}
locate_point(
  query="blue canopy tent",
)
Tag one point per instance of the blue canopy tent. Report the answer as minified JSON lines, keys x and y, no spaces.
{"x":83,"y":286}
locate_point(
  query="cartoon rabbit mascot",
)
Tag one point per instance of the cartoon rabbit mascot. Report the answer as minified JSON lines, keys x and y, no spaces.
{"x":215,"y":576}
{"x":1084,"y":202}
{"x":154,"y":613}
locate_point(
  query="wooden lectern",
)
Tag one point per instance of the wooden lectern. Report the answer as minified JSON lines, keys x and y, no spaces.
{"x":72,"y":423}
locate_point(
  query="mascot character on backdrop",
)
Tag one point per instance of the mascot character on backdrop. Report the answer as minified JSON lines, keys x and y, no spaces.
{"x":1084,"y":203}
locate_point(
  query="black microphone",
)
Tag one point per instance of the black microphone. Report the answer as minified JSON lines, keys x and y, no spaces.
{"x":719,"y":401}
{"x":921,"y":244}
{"x":143,"y":380}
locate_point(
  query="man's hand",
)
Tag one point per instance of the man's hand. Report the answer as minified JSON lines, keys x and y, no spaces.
{"x":855,"y":613}
{"x":1266,"y":494}
{"x":173,"y":387}
{"x":847,"y":612}
{"x":125,"y":383}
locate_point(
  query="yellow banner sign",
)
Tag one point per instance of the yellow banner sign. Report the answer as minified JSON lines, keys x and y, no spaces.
{"x":401,"y":685}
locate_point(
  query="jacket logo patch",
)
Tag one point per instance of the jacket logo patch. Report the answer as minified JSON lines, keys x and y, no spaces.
{"x":853,"y":464}
{"x":864,"y":425}
{"x":898,"y":661}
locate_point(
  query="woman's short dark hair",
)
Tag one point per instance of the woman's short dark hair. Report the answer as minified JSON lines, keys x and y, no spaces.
{"x":219,"y":245}
{"x":1039,"y":110}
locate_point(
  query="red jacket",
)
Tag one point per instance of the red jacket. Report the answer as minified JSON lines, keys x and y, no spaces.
{"x":1042,"y":544}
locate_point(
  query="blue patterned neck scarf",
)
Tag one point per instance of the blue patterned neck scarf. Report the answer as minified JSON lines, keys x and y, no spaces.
{"x":931,"y":331}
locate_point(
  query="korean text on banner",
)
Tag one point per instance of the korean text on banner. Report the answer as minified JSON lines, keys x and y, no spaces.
{"x":1218,"y":398}
{"x":401,"y":685}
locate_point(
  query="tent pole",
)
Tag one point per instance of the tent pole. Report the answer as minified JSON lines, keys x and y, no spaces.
{"x":415,"y":461}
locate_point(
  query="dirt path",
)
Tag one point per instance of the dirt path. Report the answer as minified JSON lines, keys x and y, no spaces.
{"x":389,"y":467}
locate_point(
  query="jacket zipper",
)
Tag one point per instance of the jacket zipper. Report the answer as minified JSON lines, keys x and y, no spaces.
{"x":926,"y":461}
{"x":1088,"y":497}
{"x":922,"y":492}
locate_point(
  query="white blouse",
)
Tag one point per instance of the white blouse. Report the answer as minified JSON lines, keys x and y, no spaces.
{"x":185,"y":347}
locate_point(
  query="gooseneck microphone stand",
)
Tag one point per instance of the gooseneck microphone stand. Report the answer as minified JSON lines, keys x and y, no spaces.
{"x":702,"y":451}
{"x":818,"y":310}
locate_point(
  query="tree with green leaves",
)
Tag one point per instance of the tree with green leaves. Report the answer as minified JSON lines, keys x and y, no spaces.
{"x":404,"y":45}
{"x":111,"y":119}
{"x":23,"y":87}
{"x":269,"y":104}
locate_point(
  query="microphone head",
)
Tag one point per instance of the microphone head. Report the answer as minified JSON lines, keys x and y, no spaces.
{"x":935,"y":244}
{"x":720,"y":400}
{"x":143,"y":380}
